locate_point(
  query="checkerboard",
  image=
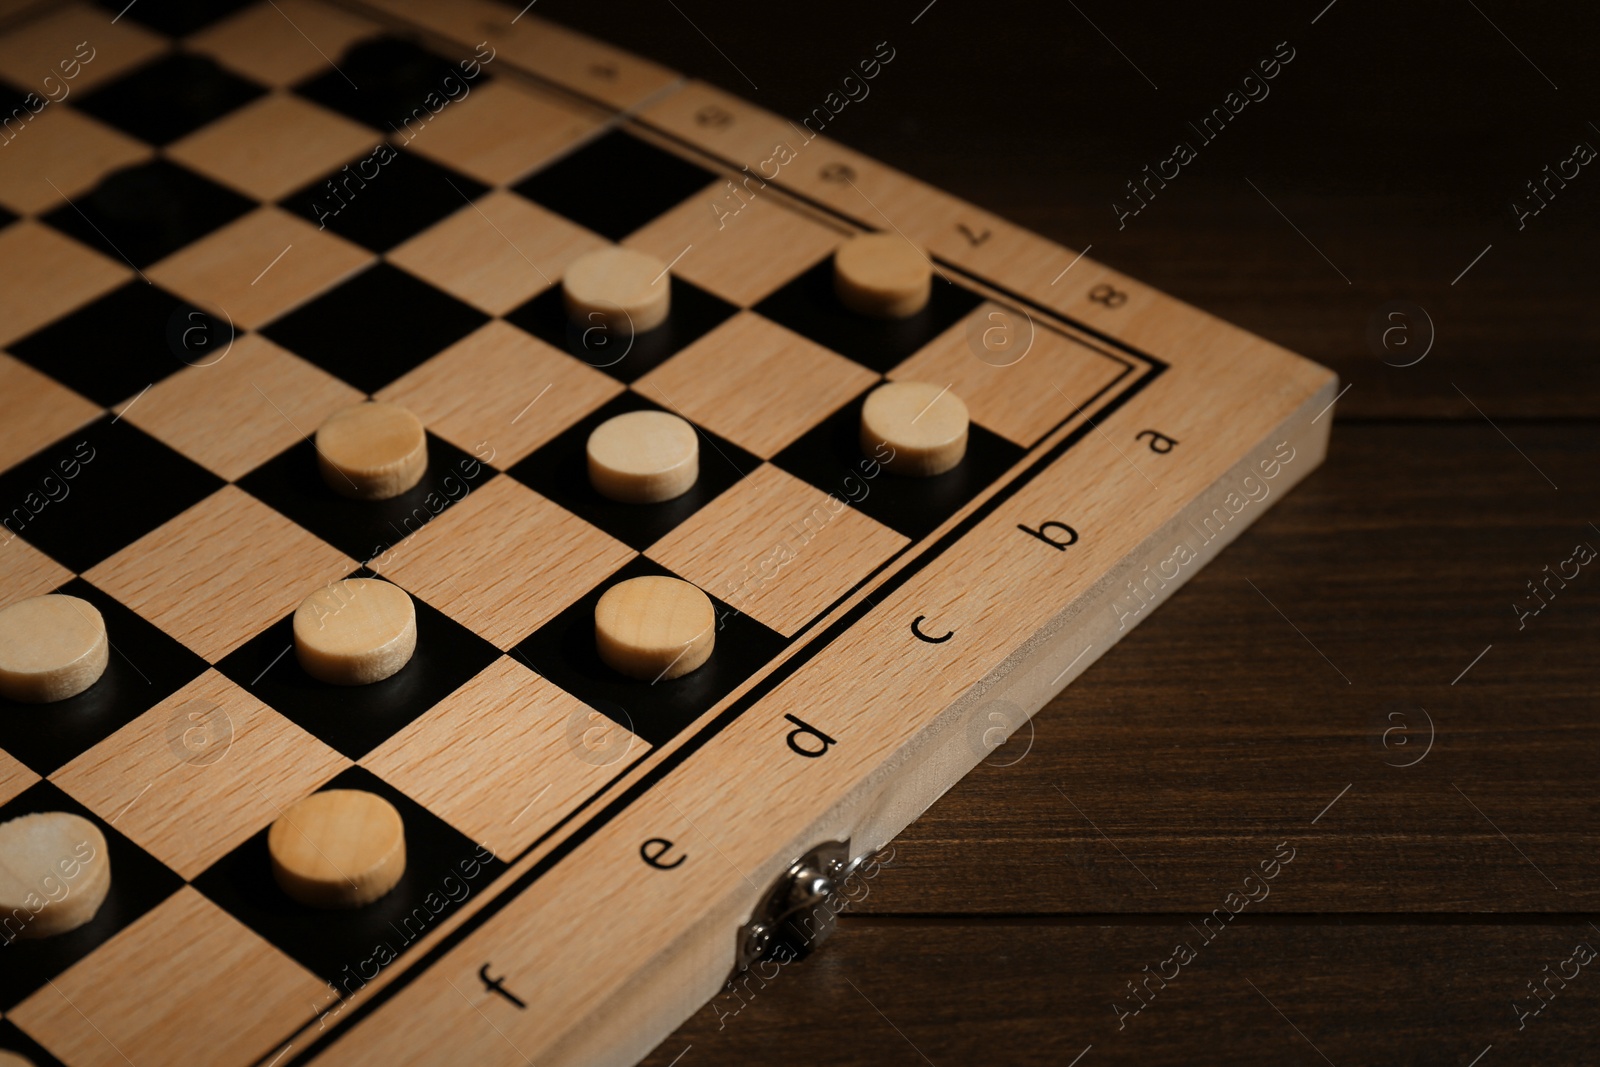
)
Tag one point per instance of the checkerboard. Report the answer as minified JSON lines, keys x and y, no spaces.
{"x":241,"y":217}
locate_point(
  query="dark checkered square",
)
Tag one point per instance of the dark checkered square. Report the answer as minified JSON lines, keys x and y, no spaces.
{"x":616,"y":184}
{"x":809,"y":307}
{"x":563,"y":651}
{"x":146,"y":213}
{"x":383,"y":198}
{"x":169,"y":98}
{"x":355,"y":719}
{"x":292,"y":484}
{"x":443,"y":869}
{"x":98,"y":490}
{"x":387,"y":80}
{"x":146,"y":667}
{"x":11,"y":98}
{"x":375,"y":327}
{"x":138,"y":883}
{"x":175,"y":18}
{"x":128,"y":339}
{"x":830,"y":458}
{"x":624,"y":355}
{"x":559,"y":471}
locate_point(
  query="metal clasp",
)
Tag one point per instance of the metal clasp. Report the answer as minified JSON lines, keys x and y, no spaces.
{"x":801,"y":909}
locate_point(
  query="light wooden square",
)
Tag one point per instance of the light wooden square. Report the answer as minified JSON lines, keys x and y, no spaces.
{"x":270,"y":148}
{"x":62,"y":152}
{"x":497,"y":252}
{"x":501,"y":131}
{"x":505,"y":758}
{"x":238,"y":268}
{"x":755,"y":383}
{"x":742,"y":257}
{"x":501,"y":389}
{"x":25,"y":571}
{"x":14,"y":777}
{"x":192,"y":778}
{"x":503,"y":561}
{"x":35,"y":411}
{"x":233,"y":415}
{"x":62,"y":275}
{"x":221,"y":572}
{"x":1021,"y":401}
{"x":282,"y":42}
{"x":776,"y":548}
{"x":186,"y":975}
{"x":37,"y":48}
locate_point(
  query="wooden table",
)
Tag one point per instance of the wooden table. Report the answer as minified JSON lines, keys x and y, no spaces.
{"x":1288,"y":694}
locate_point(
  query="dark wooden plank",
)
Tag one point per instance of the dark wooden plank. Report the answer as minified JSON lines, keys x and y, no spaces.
{"x":1220,"y":727}
{"x":1287,"y":992}
{"x":1396,"y":141}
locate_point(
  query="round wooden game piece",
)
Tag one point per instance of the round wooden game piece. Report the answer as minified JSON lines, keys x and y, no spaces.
{"x":372,"y":451}
{"x":51,"y":647}
{"x":54,"y":873}
{"x":654,"y":628}
{"x":13,"y":1059}
{"x":882,"y":275}
{"x":619,"y":288}
{"x":644,"y":457}
{"x":924,"y":425}
{"x":340,"y":848}
{"x":355,"y":631}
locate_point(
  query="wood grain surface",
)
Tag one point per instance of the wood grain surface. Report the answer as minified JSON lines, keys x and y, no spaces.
{"x":1422,"y":902}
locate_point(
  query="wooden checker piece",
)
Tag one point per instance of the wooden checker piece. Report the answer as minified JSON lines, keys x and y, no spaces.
{"x":888,"y":551}
{"x":643,"y":457}
{"x":882,"y":275}
{"x":341,"y":848}
{"x":355,"y":632}
{"x":921,"y":428}
{"x":654,"y":628}
{"x":621,"y":289}
{"x":372,"y":451}
{"x":54,"y":870}
{"x":51,"y":648}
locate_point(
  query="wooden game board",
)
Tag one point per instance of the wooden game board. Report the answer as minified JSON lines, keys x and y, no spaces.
{"x":583,"y":850}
